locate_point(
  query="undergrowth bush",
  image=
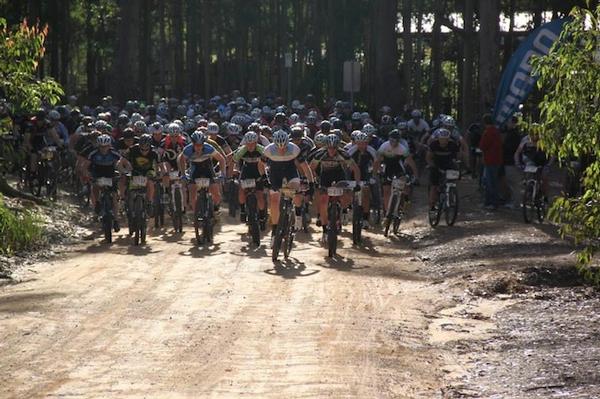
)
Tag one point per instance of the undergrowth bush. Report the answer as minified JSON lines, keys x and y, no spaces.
{"x":19,"y":229}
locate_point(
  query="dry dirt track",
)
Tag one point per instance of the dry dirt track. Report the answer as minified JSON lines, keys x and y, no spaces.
{"x":171,"y":320}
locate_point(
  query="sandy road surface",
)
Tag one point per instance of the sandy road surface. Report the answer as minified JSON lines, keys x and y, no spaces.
{"x":171,"y":320}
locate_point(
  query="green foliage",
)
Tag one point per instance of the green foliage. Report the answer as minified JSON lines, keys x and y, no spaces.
{"x":19,"y":230}
{"x":570,"y":123}
{"x":21,"y":49}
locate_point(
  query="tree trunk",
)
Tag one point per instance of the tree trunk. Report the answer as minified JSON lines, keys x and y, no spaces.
{"x":162,"y":45}
{"x":178,"y":45}
{"x":125,"y":71}
{"x":387,"y":82}
{"x":418,"y":91}
{"x":467,"y":72}
{"x":206,"y":49}
{"x":436,"y":61}
{"x":65,"y":41}
{"x":145,"y":57}
{"x":407,"y":45}
{"x":489,"y":18}
{"x":192,"y":45}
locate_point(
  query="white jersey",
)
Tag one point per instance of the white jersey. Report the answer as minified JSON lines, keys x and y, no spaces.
{"x":420,"y":128}
{"x":387,"y":151}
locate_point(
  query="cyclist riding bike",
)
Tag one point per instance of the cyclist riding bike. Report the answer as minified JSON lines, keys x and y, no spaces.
{"x":441,"y":156}
{"x":197,"y":159}
{"x":364,"y":156}
{"x":102,"y":163}
{"x":142,"y":160}
{"x":248,"y":157}
{"x":332,"y":164}
{"x":284,"y":162}
{"x":39,"y":136}
{"x":529,"y":153}
{"x":395,"y":155}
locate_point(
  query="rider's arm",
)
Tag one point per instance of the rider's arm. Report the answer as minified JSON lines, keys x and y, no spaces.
{"x":304,"y":168}
{"x":181,"y":161}
{"x":239,"y":154}
{"x":221,"y":159}
{"x":413,"y":166}
{"x":55,"y":137}
{"x":355,"y":170}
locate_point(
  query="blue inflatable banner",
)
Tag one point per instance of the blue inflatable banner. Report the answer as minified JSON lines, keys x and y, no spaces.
{"x":517,"y":81}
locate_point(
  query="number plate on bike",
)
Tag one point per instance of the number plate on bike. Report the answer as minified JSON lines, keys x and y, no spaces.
{"x":174,"y":175}
{"x":248,"y":183}
{"x":452,"y":174}
{"x":399,"y":183}
{"x":202,"y":182}
{"x":104,"y":182}
{"x":531,"y":169}
{"x":139,"y":181}
{"x":335,"y":191}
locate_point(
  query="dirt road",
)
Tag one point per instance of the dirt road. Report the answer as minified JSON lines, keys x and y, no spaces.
{"x":453,"y":312}
{"x":171,"y":320}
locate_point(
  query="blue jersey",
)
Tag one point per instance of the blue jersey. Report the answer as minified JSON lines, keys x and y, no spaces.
{"x":103,"y":165}
{"x":198,"y":157}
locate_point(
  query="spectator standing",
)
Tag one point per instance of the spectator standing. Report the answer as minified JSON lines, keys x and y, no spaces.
{"x":491,"y":146}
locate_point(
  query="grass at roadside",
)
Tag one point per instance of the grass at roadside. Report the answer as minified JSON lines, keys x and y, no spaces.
{"x":20,"y":229}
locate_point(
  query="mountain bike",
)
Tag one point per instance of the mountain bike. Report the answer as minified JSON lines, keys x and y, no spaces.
{"x":533,"y":199}
{"x":448,"y":198}
{"x":136,"y":210}
{"x":285,"y":231}
{"x":107,"y":217}
{"x":396,"y":204}
{"x":204,"y":215}
{"x":252,"y":213}
{"x":334,"y":215}
{"x":176,"y":201}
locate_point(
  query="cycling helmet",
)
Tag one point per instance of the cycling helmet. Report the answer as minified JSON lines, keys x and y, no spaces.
{"x":333,"y":140}
{"x":435,"y":124}
{"x":394,"y":135}
{"x":280,"y":116}
{"x":140,"y":126}
{"x":212,"y":128}
{"x":254,"y":126}
{"x":198,"y":137}
{"x":297,"y":132}
{"x":103,"y":140}
{"x":402,"y":126}
{"x":386,"y":109}
{"x":136,"y":117}
{"x":282,"y":109}
{"x":54,"y":115}
{"x":234,"y":129}
{"x":145,"y":140}
{"x":337,"y":124}
{"x":386,"y":120}
{"x":128,"y":133}
{"x":123,"y":120}
{"x":448,"y":121}
{"x":369,"y":129}
{"x":356,"y":116}
{"x":416,"y":113}
{"x":443,"y":133}
{"x":255,"y":113}
{"x":320,"y":139}
{"x":354,"y":135}
{"x":250,"y":137}
{"x":337,"y":132}
{"x":178,"y":122}
{"x":362,"y":137}
{"x":281,"y":138}
{"x":265,"y":129}
{"x":155,"y":128}
{"x":294,"y":118}
{"x":325,"y":126}
{"x":174,"y":128}
{"x":365,"y":116}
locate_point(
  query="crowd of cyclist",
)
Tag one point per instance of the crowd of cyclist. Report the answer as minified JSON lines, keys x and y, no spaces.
{"x":230,"y":137}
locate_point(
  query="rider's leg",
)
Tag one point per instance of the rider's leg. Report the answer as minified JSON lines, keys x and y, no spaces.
{"x":215,"y":191}
{"x":274,"y":200}
{"x":150,"y":191}
{"x":386,"y":196}
{"x":323,"y":200}
{"x":193,"y":194}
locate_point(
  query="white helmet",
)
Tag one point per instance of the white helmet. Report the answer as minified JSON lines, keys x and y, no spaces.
{"x":294,"y":118}
{"x":250,"y":137}
{"x":104,"y":140}
{"x":212,"y":128}
{"x":234,"y":129}
{"x":369,"y":129}
{"x":362,"y":137}
{"x":416,"y":113}
{"x":136,"y":117}
{"x":281,"y":138}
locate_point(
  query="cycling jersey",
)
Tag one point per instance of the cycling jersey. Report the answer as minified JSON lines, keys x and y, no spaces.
{"x":122,"y":147}
{"x":393,"y":158}
{"x":103,"y":165}
{"x":248,"y":161}
{"x":532,"y":155}
{"x":332,"y":168}
{"x":282,"y":165}
{"x":417,"y":129}
{"x":443,"y":157}
{"x":201,"y":161}
{"x":172,"y":148}
{"x":364,"y":160}
{"x":142,"y":163}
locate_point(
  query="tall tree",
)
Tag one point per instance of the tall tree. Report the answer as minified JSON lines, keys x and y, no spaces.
{"x":387,"y":82}
{"x":407,"y":48}
{"x":489,"y":22}
{"x":125,"y":72}
{"x":468,"y":70}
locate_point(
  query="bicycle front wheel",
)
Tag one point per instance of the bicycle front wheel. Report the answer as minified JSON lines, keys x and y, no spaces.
{"x":451,"y":208}
{"x":333,"y":216}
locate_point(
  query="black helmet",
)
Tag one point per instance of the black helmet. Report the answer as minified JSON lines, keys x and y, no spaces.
{"x":145,"y":140}
{"x":394,"y":135}
{"x":128,"y":133}
{"x":325,"y":126}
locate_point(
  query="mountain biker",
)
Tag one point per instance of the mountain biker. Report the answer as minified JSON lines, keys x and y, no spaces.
{"x":200,"y":156}
{"x":530,"y":153}
{"x":40,"y":135}
{"x":364,"y":156}
{"x":102,"y":163}
{"x":332,"y":164}
{"x":441,"y":156}
{"x":142,"y":160}
{"x":395,"y":155}
{"x":417,"y":126}
{"x":284,"y":162}
{"x":248,"y":157}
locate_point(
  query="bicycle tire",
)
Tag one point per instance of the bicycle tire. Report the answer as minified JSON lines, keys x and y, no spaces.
{"x":389,"y":217}
{"x":253,"y":227}
{"x":527,"y":204}
{"x":200,"y":206}
{"x":207,"y":228}
{"x":356,"y":223}
{"x":451,"y":210}
{"x":279,"y":230}
{"x":288,"y":237}
{"x":138,"y":210}
{"x":107,"y":221}
{"x":540,"y":208}
{"x":159,"y":209}
{"x":178,"y":211}
{"x":232,"y":196}
{"x":435,"y":215}
{"x":332,"y":215}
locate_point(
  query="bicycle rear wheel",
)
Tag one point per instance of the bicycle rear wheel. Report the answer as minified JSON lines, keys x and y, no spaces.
{"x":177,"y":211}
{"x":107,"y":217}
{"x":451,"y":208}
{"x":288,"y":236}
{"x":527,"y":204}
{"x":253,"y":226}
{"x":280,"y":230}
{"x":389,"y":217}
{"x":139,"y":235}
{"x":232,"y":196}
{"x":199,"y":217}
{"x":436,"y":214}
{"x":332,"y":215}
{"x":357,"y":212}
{"x":207,"y":230}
